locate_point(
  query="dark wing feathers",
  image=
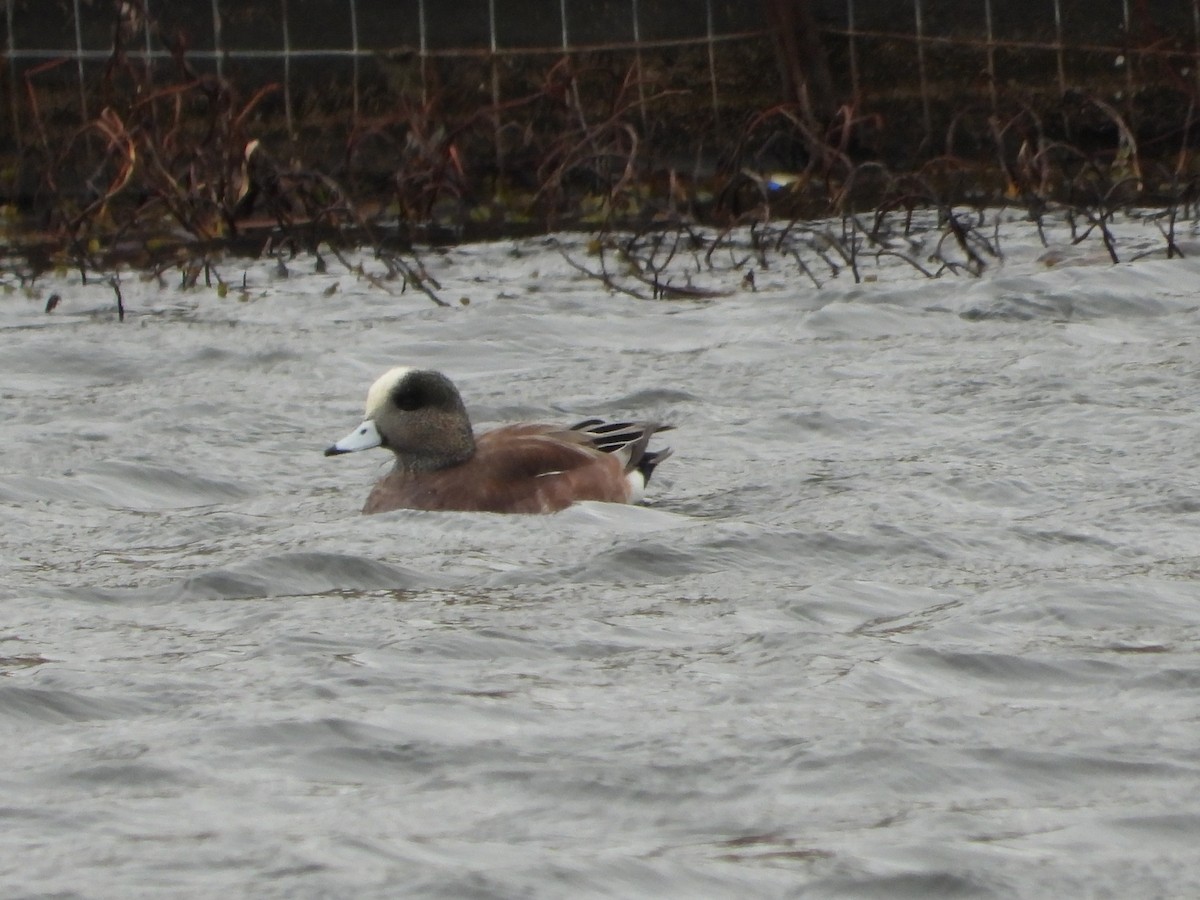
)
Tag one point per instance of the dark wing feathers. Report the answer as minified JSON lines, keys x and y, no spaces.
{"x":613,"y":437}
{"x":628,"y":440}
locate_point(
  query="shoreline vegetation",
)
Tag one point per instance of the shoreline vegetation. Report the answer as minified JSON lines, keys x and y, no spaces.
{"x":182,"y":170}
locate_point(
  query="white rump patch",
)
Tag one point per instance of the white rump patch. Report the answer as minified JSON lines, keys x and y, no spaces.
{"x":637,"y":486}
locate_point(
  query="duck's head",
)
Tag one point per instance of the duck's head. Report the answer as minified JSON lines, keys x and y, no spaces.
{"x":418,"y":415}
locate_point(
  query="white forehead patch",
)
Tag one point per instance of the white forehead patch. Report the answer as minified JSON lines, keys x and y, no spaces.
{"x":384,"y":385}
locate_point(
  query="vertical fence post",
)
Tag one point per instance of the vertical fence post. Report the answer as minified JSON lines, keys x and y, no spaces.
{"x":218,"y":54}
{"x":83,"y":110}
{"x":851,"y":35}
{"x":1196,"y":43}
{"x":354,"y":58}
{"x":1127,"y":20}
{"x":495,"y":44}
{"x":637,"y":61}
{"x":991,"y":55}
{"x":1058,"y":47}
{"x":566,"y":46}
{"x":423,"y":45}
{"x":712,"y":69}
{"x":14,"y":91}
{"x":287,"y":72}
{"x":926,"y":116}
{"x":147,"y":36}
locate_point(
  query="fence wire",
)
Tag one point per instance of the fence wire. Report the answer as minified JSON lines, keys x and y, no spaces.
{"x":711,"y":66}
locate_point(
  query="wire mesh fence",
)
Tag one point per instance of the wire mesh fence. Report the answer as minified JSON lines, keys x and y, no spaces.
{"x":368,"y":52}
{"x":365,"y":85}
{"x":373,"y":49}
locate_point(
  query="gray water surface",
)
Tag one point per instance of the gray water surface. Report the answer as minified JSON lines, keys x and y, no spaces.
{"x":914,"y":610}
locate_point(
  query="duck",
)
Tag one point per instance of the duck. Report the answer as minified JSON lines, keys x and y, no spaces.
{"x":442,"y":464}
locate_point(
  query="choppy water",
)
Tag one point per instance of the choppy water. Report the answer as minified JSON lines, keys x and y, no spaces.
{"x":914,"y":612}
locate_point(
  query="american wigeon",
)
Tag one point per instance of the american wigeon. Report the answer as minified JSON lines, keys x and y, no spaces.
{"x":442,"y":465}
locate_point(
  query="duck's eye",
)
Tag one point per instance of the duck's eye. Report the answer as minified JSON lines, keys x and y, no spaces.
{"x":407,"y":399}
